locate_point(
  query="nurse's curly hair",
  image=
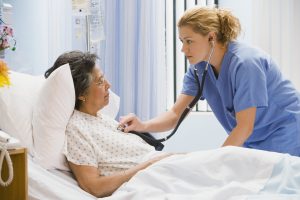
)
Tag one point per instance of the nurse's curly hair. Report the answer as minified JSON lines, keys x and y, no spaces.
{"x":81,"y":65}
{"x":206,"y":19}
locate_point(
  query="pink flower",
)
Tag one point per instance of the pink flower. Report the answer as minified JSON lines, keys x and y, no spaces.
{"x":7,"y":38}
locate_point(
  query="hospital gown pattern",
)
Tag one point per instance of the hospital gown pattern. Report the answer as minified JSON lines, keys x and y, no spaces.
{"x":95,"y":141}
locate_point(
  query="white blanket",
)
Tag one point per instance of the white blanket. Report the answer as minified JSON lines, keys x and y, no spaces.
{"x":46,"y":185}
{"x":225,"y":173}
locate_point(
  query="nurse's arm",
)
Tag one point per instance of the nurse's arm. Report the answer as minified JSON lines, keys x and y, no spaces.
{"x":169,"y":119}
{"x":245,"y":123}
{"x":163,"y":122}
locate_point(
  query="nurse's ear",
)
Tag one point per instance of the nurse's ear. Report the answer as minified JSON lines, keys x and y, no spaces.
{"x":211,"y":34}
{"x":211,"y":39}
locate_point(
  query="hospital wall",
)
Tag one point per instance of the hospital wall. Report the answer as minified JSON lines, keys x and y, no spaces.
{"x":42,"y":30}
{"x":199,"y":131}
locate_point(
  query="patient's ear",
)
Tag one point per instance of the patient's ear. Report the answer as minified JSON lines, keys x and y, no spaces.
{"x":81,"y":98}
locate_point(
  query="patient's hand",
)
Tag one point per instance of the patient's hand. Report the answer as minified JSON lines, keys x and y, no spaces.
{"x":131,"y":122}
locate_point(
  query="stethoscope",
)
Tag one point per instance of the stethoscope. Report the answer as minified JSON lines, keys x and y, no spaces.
{"x":157,"y":143}
{"x":200,"y":86}
{"x":199,"y":93}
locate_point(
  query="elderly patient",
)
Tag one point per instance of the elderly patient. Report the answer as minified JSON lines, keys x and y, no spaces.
{"x":101,"y":157}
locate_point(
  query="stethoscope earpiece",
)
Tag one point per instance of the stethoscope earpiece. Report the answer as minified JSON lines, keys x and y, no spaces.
{"x":212,"y":42}
{"x":211,"y":52}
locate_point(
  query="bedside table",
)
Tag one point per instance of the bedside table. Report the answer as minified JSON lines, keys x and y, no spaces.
{"x":18,"y":189}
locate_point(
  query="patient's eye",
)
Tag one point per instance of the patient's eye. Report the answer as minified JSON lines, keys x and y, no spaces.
{"x":100,"y":81}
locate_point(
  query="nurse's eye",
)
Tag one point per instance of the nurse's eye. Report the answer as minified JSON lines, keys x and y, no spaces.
{"x":189,"y":41}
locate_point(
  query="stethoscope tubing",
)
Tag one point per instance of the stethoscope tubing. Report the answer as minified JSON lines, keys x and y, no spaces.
{"x":198,"y":96}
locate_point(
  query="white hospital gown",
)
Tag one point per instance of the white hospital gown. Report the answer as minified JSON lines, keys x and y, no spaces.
{"x":95,"y":141}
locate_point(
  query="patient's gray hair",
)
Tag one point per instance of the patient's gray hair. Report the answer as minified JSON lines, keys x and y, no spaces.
{"x":82,"y":65}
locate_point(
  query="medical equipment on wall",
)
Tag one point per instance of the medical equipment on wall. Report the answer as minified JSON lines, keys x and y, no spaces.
{"x":157,"y":143}
{"x":6,"y":142}
{"x":87,"y":25}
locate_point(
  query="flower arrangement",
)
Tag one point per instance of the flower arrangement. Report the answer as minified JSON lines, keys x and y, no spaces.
{"x":4,"y":78}
{"x":7,"y":38}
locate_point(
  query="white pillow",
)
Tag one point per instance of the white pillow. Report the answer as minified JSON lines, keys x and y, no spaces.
{"x":16,"y":103}
{"x":51,"y":114}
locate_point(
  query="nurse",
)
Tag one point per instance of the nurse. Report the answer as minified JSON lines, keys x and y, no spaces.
{"x":257,"y":107}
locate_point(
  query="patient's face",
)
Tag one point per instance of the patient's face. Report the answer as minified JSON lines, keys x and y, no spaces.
{"x":97,"y":95}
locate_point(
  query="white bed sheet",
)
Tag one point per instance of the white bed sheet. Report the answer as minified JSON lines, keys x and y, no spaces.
{"x":226,"y":173}
{"x":53,"y":185}
{"x":230,"y":173}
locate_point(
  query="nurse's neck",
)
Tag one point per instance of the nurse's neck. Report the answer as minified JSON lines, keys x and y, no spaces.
{"x":217,"y":57}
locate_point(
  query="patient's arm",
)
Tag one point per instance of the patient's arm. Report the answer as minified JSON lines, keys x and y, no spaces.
{"x":100,"y":186}
{"x":163,"y":122}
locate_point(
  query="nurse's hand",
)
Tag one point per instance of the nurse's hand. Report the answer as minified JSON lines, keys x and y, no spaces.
{"x":131,"y":122}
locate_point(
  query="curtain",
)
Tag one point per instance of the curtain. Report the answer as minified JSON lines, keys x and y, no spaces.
{"x":134,"y":55}
{"x":276,"y":29}
{"x":59,"y":28}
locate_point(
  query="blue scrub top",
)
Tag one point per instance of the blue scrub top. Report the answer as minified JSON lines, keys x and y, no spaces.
{"x":250,"y":78}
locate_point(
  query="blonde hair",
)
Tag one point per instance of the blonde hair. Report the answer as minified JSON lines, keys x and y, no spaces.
{"x":204,"y":20}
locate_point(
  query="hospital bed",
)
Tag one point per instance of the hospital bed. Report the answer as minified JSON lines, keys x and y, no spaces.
{"x":224,"y":173}
{"x":262,"y":175}
{"x":53,"y":184}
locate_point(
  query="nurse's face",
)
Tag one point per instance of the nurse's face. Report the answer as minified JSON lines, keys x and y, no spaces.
{"x":195,"y":46}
